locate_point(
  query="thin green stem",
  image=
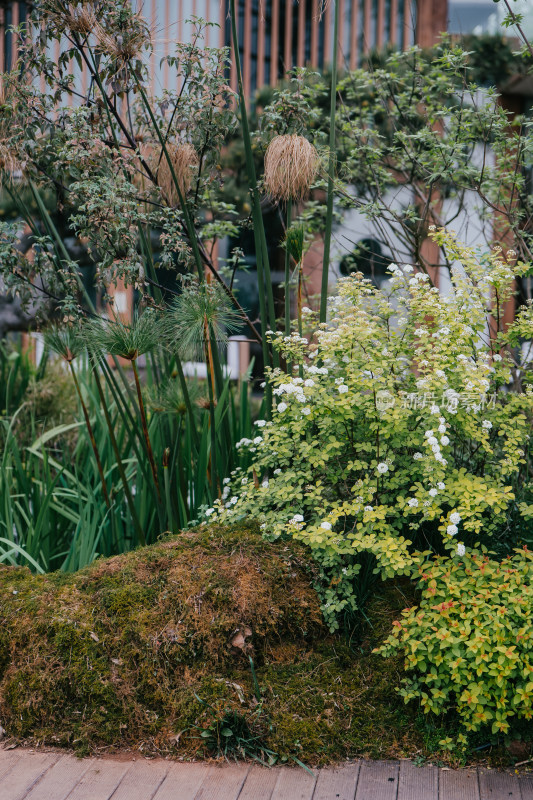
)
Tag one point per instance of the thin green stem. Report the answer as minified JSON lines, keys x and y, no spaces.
{"x":331,"y":170}
{"x":263,"y":268}
{"x":91,"y":435}
{"x":212,"y":421}
{"x":129,"y":499}
{"x":144,"y":424}
{"x":288,"y":275}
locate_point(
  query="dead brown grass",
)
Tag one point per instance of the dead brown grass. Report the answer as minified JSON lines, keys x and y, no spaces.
{"x":184,"y":161}
{"x":291,"y":165}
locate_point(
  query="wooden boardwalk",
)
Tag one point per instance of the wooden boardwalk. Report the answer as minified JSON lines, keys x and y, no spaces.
{"x":28,"y":775}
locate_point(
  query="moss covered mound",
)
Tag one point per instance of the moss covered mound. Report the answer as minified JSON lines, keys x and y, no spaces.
{"x":151,"y":650}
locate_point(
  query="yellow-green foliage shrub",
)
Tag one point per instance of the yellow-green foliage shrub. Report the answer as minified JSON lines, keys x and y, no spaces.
{"x":469,"y":646}
{"x":395,"y":428}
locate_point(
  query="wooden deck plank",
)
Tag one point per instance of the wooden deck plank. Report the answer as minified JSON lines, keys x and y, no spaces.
{"x":498,"y":785}
{"x":259,"y":783}
{"x":294,"y":783}
{"x":182,"y":781}
{"x":461,"y":784}
{"x":526,"y":787}
{"x":418,"y":783}
{"x":378,"y":780}
{"x":59,"y":780}
{"x":8,"y":759}
{"x":100,"y":780}
{"x":142,"y":780}
{"x":26,"y":771}
{"x":337,"y":783}
{"x":223,"y":782}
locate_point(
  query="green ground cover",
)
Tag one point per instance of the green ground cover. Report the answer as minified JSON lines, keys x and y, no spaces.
{"x":150,"y":649}
{"x":203,"y":644}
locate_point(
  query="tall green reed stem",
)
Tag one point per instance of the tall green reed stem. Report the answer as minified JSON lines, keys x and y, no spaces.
{"x":264,"y":278}
{"x":331,"y":169}
{"x":120,"y":466}
{"x":288,"y":274}
{"x":144,"y":424}
{"x":91,"y":435}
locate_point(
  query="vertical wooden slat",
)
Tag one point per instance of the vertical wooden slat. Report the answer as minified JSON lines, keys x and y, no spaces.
{"x":407,"y":24}
{"x":247,"y":47}
{"x":166,"y":40}
{"x":314,"y":33}
{"x":393,"y":21}
{"x":180,"y":20}
{"x":70,"y":96}
{"x":367,"y":26}
{"x":57,"y":50}
{"x":233,"y":69}
{"x":288,"y":35}
{"x":274,"y":41}
{"x":301,"y":33}
{"x":340,"y":42}
{"x":261,"y":45}
{"x":222,"y":22}
{"x":152,"y":54}
{"x":14,"y":38}
{"x":327,"y":34}
{"x":3,"y":66}
{"x":380,"y":24}
{"x":354,"y":19}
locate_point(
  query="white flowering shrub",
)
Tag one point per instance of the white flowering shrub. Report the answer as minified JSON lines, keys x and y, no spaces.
{"x":396,"y":433}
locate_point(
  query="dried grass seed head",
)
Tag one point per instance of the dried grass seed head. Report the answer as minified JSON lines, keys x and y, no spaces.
{"x":291,"y":165}
{"x":185,"y":163}
{"x":10,"y":161}
{"x":125,"y":44}
{"x":81,"y":19}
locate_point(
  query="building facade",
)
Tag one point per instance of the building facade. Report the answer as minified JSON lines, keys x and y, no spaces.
{"x":274,"y":35}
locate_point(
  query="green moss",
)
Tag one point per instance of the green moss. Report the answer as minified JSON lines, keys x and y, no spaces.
{"x":141,"y":647}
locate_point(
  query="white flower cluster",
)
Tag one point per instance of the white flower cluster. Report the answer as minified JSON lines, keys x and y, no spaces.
{"x":433,"y":442}
{"x":291,"y":388}
{"x":455,"y":519}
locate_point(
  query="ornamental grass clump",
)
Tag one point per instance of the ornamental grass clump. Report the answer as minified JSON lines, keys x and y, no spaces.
{"x":184,"y":160}
{"x":400,"y":435}
{"x":291,"y":166}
